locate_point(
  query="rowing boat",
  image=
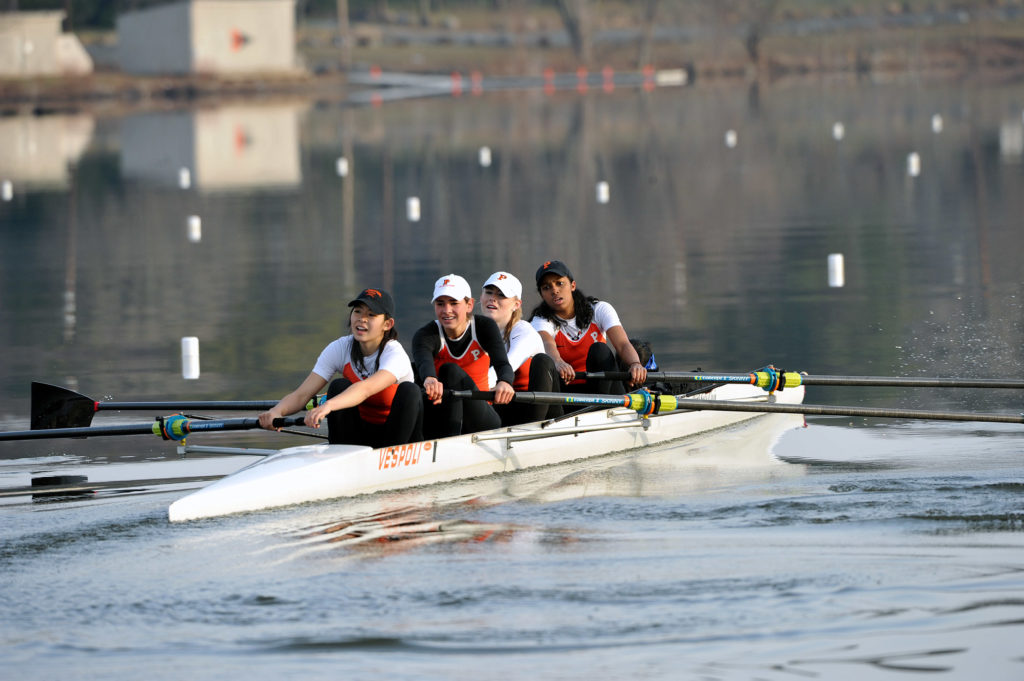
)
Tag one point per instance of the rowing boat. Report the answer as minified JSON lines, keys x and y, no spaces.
{"x":319,"y":472}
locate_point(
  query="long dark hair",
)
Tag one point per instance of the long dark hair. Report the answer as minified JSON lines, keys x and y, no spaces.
{"x":582,"y":305}
{"x":357,"y":350}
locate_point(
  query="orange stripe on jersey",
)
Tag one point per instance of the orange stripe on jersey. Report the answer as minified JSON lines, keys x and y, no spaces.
{"x":574,"y":352}
{"x":375,"y":408}
{"x":474,"y":361}
{"x":522,"y":379}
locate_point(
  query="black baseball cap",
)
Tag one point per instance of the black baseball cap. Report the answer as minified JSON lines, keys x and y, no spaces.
{"x":378,"y":300}
{"x":554,"y":267}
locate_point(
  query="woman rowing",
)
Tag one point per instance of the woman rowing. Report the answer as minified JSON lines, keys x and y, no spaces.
{"x":375,"y":402}
{"x":576,"y":330}
{"x":455,"y":351}
{"x":501,"y":300}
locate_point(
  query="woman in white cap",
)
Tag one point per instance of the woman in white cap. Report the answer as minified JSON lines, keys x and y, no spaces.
{"x":502,"y":301}
{"x":375,"y":402}
{"x":577,"y":330}
{"x":455,"y":351}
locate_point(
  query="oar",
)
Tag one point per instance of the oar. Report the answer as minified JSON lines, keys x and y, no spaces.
{"x":57,"y":407}
{"x":789,"y":379}
{"x":176,"y":427}
{"x":647,"y":403}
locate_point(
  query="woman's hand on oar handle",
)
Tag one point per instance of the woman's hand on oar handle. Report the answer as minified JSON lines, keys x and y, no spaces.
{"x":637,"y":374}
{"x":503,"y":393}
{"x":314,"y":417}
{"x":267,"y":419}
{"x":564,"y":370}
{"x":434,"y":389}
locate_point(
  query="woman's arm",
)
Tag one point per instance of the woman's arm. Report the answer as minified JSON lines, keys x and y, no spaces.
{"x":352,"y":395}
{"x":294,"y":401}
{"x":563,"y":368}
{"x":620,"y":341}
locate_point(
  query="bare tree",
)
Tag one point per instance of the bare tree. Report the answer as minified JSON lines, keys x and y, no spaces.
{"x":650,"y":13}
{"x":754,"y":18}
{"x":576,"y":17}
{"x":344,"y":34}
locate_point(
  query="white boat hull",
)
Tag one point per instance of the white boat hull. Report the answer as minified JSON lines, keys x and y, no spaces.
{"x":319,"y":472}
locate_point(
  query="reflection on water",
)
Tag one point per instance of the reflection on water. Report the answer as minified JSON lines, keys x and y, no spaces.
{"x":228,"y":148}
{"x":36,"y":151}
{"x":386,"y":523}
{"x":717,"y":255}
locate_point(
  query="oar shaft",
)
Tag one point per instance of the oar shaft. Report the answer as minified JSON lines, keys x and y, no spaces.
{"x":794,"y":379}
{"x":226,"y":405}
{"x":175,"y":429}
{"x":870,"y":412}
{"x":669,"y":403}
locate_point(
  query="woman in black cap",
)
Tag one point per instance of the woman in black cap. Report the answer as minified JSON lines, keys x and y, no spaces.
{"x":375,"y":402}
{"x":577,"y":330}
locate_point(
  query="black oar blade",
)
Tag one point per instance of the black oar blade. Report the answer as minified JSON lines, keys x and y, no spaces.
{"x":56,"y":407}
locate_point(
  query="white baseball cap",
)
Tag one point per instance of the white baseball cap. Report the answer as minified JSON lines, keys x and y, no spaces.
{"x":506,"y":283}
{"x":452,"y":285}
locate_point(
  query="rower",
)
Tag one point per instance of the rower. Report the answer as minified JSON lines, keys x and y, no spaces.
{"x":501,"y":300}
{"x":577,"y":330}
{"x":455,"y":351}
{"x":375,"y":401}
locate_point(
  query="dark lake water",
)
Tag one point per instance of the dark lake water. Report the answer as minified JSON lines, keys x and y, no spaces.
{"x":846,"y":549}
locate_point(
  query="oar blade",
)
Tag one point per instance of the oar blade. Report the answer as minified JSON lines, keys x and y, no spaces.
{"x":57,"y":407}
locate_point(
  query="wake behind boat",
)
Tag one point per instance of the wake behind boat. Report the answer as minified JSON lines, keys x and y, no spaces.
{"x":320,"y":472}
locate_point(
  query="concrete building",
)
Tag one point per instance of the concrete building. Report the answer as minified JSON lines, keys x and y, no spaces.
{"x":209,"y":37}
{"x":32,"y":44}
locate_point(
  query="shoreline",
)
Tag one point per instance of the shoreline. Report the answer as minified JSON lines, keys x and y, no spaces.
{"x":983,"y":51}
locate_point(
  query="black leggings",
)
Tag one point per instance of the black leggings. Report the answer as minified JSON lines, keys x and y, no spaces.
{"x":543,"y":378}
{"x":456,"y":416}
{"x":599,"y":358}
{"x":403,"y":425}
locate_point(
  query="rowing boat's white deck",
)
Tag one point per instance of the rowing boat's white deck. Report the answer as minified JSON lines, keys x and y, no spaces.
{"x":318,"y":472}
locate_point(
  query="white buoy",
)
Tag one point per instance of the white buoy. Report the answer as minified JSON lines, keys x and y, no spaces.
{"x":341,"y":167}
{"x":937,"y":123}
{"x":7,"y":190}
{"x":195,"y":229}
{"x":913,"y":164}
{"x":731,"y":139}
{"x":838,"y":131}
{"x":412,"y":209}
{"x":184,"y":178}
{"x":602,"y":192}
{"x":485,"y":157}
{"x":190,"y":357}
{"x":836,"y":274}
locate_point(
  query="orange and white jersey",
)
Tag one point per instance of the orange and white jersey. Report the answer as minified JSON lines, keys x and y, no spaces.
{"x":523,"y":343}
{"x":474,"y":360}
{"x":574,"y":343}
{"x":337,"y":358}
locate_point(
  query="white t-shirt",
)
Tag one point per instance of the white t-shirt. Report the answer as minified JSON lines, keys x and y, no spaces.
{"x":523,"y":343}
{"x":604,"y":316}
{"x":339,"y":353}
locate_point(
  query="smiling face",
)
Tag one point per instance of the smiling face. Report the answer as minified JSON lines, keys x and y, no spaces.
{"x":368,"y":328}
{"x":495,"y":305}
{"x":453,"y":314}
{"x":557,"y":291}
